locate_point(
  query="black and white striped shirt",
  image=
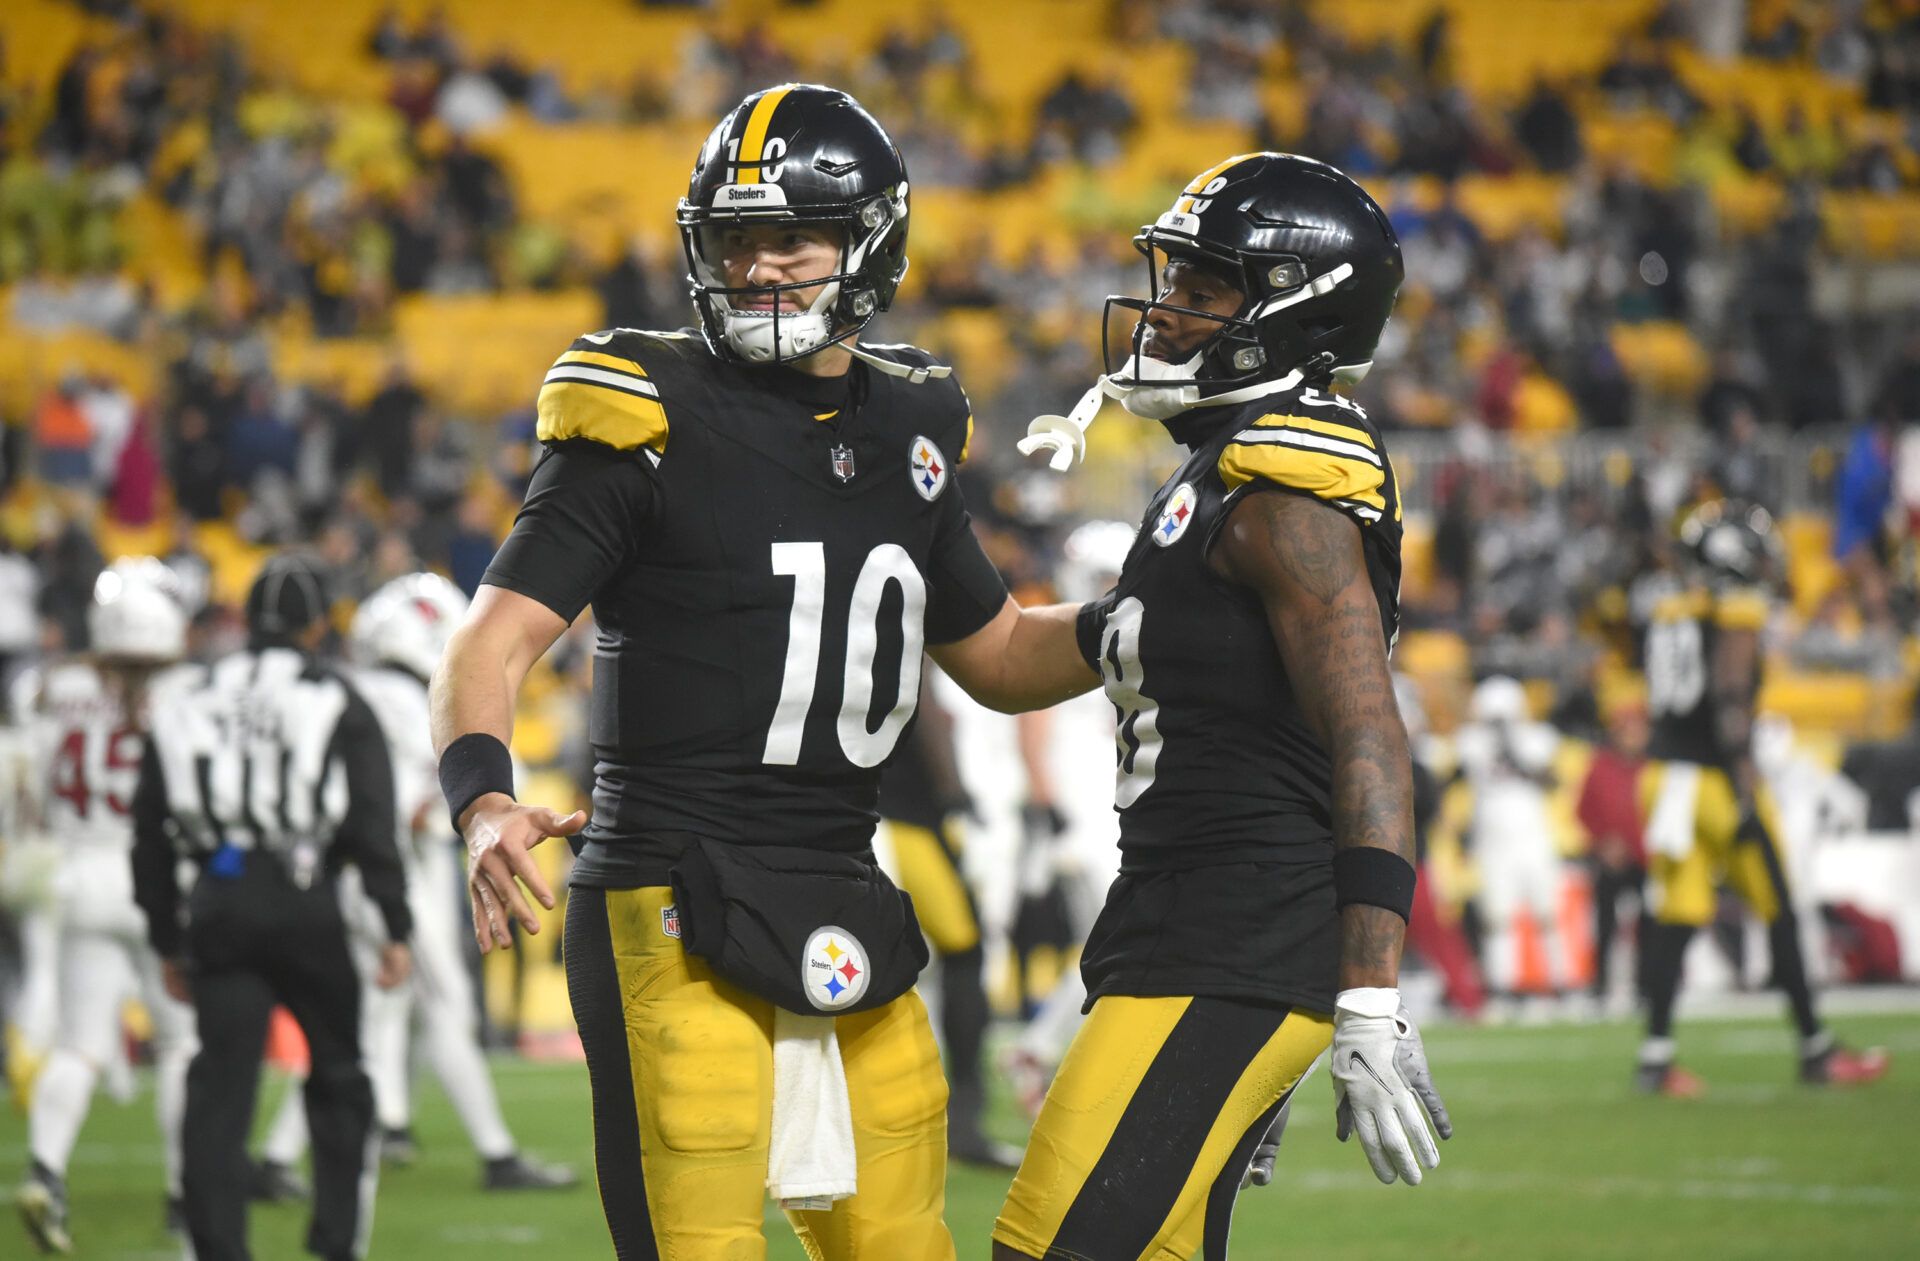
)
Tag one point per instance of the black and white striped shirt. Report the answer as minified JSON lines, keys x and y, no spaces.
{"x":263,"y":751}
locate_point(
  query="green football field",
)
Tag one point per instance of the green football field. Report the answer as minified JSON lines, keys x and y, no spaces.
{"x":1554,"y":1157}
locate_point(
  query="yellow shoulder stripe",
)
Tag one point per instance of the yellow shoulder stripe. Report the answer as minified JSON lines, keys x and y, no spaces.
{"x":599,"y":359}
{"x":577,"y":409}
{"x":966,"y":444}
{"x":1682,"y":606}
{"x":1320,"y":473}
{"x":1742,"y":610}
{"x":1332,"y":428}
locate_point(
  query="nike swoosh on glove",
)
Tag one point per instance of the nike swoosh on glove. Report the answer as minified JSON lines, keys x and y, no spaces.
{"x":1382,"y":1087}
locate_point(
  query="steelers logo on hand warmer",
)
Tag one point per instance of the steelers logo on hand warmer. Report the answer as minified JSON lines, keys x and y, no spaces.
{"x":833,"y":969}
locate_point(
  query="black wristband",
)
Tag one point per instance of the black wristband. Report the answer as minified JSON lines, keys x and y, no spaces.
{"x":1373,"y":876}
{"x":1090,"y":627}
{"x":473,"y":766}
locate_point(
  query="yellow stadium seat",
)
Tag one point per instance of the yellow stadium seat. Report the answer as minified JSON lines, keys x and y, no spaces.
{"x":1662,"y":355}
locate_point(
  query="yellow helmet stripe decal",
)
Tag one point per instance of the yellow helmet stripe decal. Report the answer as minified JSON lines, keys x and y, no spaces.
{"x":1201,"y":180}
{"x":754,"y":139}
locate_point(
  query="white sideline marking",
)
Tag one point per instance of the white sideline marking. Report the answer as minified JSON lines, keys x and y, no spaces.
{"x":502,"y":1233}
{"x":1499,"y":1183}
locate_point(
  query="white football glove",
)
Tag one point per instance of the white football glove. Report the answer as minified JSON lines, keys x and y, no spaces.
{"x":1260,"y":1170}
{"x":1381,"y":1085}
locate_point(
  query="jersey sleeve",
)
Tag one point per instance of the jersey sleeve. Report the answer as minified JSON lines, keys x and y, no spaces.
{"x":587,"y":506}
{"x":1324,"y":458}
{"x":601,"y":390}
{"x":964,"y":590}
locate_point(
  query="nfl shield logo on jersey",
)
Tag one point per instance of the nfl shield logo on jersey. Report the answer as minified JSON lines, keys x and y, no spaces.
{"x":670,"y":920}
{"x":929,"y":469}
{"x":833,"y":969}
{"x":1174,"y":516}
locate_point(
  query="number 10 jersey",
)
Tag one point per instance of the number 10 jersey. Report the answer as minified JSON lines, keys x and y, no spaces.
{"x":766,"y":555}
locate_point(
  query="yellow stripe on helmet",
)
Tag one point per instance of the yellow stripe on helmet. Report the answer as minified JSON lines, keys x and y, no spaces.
{"x":753,"y":140}
{"x":1205,"y":177}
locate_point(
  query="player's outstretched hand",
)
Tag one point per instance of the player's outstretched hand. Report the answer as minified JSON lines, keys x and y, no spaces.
{"x":1382,"y":1087}
{"x":1267,"y":1151}
{"x":501,"y":834}
{"x":396,"y":965}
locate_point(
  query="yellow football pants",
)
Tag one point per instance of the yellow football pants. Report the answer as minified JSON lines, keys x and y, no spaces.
{"x":1150,"y":1124}
{"x":681,"y":1064}
{"x":1685,"y":881}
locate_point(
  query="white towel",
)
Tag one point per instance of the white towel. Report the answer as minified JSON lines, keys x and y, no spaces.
{"x":1670,"y":824}
{"x":811,"y":1162}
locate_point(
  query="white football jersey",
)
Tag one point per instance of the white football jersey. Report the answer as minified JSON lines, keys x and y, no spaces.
{"x":85,"y":756}
{"x":399,"y":703}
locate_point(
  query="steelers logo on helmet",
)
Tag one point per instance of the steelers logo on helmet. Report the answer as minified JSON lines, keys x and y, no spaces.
{"x":833,"y":969}
{"x":929,"y":468}
{"x":1175,"y":515}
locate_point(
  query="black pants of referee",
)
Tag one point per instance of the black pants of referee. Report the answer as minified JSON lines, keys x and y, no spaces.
{"x":256,"y":939}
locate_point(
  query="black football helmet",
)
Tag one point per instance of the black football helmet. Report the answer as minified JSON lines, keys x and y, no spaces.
{"x":806,"y":154}
{"x":1314,"y":255}
{"x":1731,"y":541}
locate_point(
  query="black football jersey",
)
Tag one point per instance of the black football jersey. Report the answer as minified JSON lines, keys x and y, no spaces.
{"x":1683,"y":629}
{"x":776,"y":553}
{"x":1216,"y":761}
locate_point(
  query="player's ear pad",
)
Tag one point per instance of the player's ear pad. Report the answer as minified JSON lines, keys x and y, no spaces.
{"x":808,"y":931}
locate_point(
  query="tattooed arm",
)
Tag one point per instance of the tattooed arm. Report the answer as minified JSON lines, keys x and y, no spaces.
{"x":1305,"y":560}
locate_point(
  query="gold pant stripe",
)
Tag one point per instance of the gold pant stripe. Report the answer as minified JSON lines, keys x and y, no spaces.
{"x":930,"y":873}
{"x":1097,"y":1105}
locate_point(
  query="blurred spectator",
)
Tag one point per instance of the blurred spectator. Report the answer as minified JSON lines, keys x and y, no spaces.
{"x":1548,"y":129}
{"x":1609,"y":810}
{"x":1863,"y":492}
{"x":386,"y":432}
{"x":62,"y":434}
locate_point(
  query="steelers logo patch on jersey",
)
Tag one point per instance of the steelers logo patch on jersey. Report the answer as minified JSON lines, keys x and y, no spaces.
{"x":929,"y":469}
{"x":833,"y":969}
{"x":1175,"y":515}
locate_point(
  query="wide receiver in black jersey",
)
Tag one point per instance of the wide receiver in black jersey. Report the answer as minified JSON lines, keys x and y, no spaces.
{"x":764,"y":517}
{"x":1265,"y":788}
{"x":1711,"y":823}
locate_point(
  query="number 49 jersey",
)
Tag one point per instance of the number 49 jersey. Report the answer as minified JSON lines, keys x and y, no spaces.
{"x":85,"y":756}
{"x":1217,"y":763}
{"x":766,"y":554}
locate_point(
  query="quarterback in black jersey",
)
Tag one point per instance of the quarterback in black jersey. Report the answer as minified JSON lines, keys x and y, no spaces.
{"x":764,"y":517}
{"x":1264,"y":787}
{"x":1711,"y":822}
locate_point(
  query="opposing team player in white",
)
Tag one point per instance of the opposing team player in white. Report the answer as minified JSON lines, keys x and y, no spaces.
{"x":86,"y":731}
{"x":396,"y":640}
{"x":1508,"y":759}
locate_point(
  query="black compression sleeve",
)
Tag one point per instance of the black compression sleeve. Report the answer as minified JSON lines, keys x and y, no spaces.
{"x":367,"y":834}
{"x":585,"y":506}
{"x":156,"y":889}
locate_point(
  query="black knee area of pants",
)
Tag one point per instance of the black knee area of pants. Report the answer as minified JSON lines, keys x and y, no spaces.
{"x":1790,"y":971}
{"x":1661,"y":957}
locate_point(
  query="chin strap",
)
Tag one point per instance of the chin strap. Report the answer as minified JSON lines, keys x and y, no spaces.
{"x":1066,"y":436}
{"x":906,"y":372}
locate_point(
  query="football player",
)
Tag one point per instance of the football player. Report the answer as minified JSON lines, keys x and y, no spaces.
{"x":1710,"y":820}
{"x":1264,"y":783}
{"x":86,"y":727}
{"x":1508,"y":758}
{"x":397,"y":637}
{"x":764,"y":517}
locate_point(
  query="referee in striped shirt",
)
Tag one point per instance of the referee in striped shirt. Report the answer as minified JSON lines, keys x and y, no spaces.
{"x":268,"y":773}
